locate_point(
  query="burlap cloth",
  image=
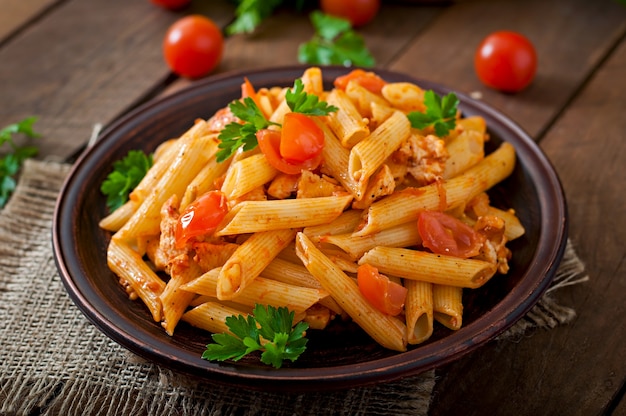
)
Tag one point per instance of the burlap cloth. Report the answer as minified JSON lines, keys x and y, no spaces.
{"x":54,"y":362}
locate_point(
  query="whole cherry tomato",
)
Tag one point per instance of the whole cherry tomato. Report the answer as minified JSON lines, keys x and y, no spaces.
{"x":193,"y":46}
{"x":385,"y":295}
{"x":201,"y":217}
{"x":444,"y":234}
{"x":506,"y":61}
{"x":358,"y":12}
{"x":171,"y":4}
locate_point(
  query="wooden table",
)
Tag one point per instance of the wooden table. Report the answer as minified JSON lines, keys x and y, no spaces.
{"x":79,"y":63}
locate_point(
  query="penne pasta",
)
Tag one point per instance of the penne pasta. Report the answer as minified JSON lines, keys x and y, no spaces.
{"x":272,"y":292}
{"x":448,"y":306}
{"x":259,"y":216}
{"x":249,"y":259}
{"x":133,"y":272}
{"x":429,"y":267}
{"x":419,"y":310}
{"x":388,"y":331}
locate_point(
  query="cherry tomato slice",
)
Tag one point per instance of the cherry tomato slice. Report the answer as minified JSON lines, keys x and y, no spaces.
{"x":301,"y":139}
{"x":368,"y":80}
{"x":385,"y":295}
{"x":193,"y":46}
{"x":506,"y":61}
{"x":269,"y":143}
{"x":444,"y":234}
{"x":201,"y":217}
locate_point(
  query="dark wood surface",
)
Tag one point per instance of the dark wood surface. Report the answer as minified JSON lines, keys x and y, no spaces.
{"x":78,"y":63}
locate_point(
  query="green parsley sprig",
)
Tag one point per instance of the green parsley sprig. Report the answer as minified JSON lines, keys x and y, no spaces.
{"x":440,"y":113}
{"x":126,"y":175}
{"x":334,"y":43}
{"x":11,"y":163}
{"x":250,"y":13}
{"x":309,"y":104}
{"x":236,"y":135}
{"x":268,"y":329}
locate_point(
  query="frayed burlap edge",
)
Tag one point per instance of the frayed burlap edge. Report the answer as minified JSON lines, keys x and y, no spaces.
{"x":53,"y":362}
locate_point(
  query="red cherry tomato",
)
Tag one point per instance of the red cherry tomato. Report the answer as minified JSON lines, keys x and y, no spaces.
{"x":269,"y":143}
{"x":385,"y":295}
{"x":444,"y":234}
{"x":301,"y":139}
{"x":358,"y":12}
{"x":171,"y":4}
{"x":368,"y":80}
{"x":193,"y":46}
{"x":506,"y":61}
{"x":201,"y":217}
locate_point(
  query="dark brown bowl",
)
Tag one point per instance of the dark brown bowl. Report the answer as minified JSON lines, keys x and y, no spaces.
{"x":343,"y":356}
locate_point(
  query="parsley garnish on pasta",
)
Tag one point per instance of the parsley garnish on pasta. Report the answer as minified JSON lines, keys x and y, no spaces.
{"x":269,"y":330}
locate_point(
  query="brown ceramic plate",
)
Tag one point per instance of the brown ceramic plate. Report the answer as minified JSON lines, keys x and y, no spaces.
{"x":342,"y":356}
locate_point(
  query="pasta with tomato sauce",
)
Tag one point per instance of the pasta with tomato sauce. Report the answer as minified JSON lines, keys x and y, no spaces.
{"x":333,"y":203}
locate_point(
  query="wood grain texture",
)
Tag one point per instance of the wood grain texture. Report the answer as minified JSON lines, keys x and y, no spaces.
{"x":571,"y":36}
{"x":577,"y":369}
{"x":76,"y":67}
{"x":16,"y":14}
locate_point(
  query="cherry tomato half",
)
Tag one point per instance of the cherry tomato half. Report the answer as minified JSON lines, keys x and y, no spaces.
{"x":270,"y":142}
{"x":385,"y":295}
{"x":368,"y":80}
{"x":444,"y":234}
{"x":301,"y":139}
{"x":171,"y":4}
{"x":506,"y":61}
{"x":358,"y":12}
{"x":201,"y":217}
{"x":193,"y":46}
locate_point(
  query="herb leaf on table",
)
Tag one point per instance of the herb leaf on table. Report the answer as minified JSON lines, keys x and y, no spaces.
{"x":334,"y":43}
{"x":11,"y":162}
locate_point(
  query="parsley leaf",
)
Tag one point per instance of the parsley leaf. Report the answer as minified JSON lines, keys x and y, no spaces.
{"x":268,"y":329}
{"x":309,"y":104}
{"x":126,"y":175}
{"x":235,"y":134}
{"x":334,"y":43}
{"x":250,"y":13}
{"x":11,"y":162}
{"x":440,"y":113}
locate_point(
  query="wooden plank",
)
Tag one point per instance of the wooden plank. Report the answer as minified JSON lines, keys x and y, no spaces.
{"x":570,"y":36}
{"x":86,"y":63}
{"x":579,"y":368}
{"x":17,"y":13}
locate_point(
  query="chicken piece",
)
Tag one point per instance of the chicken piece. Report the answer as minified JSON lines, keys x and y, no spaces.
{"x":494,"y":249}
{"x":167,"y":242}
{"x":221,"y":119}
{"x":312,"y":185}
{"x":283,"y":185}
{"x":212,"y":255}
{"x":425,"y":157}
